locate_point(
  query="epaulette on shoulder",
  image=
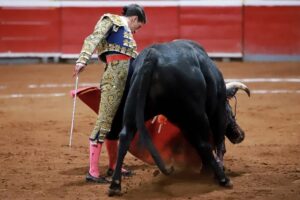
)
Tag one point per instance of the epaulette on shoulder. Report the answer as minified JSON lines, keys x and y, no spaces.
{"x":116,"y":19}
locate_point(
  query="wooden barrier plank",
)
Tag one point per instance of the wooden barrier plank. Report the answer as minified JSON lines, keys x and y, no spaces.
{"x":272,"y":30}
{"x":30,"y":30}
{"x":162,"y":26}
{"x":235,"y":29}
{"x":78,"y":23}
{"x":218,"y":29}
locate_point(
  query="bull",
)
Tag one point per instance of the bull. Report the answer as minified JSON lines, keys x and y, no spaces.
{"x":179,"y":80}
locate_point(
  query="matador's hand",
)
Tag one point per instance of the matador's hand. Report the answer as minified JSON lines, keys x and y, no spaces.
{"x":79,"y":67}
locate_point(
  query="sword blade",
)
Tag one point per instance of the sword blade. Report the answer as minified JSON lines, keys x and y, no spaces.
{"x":73,"y":113}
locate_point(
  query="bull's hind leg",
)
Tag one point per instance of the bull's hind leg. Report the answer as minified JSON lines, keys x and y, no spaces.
{"x":125,"y":136}
{"x":201,"y":141}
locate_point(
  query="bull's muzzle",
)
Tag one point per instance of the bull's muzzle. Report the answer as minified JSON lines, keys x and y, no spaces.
{"x":235,"y":134}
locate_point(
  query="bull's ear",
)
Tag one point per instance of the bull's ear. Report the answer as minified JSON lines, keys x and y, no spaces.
{"x":233,"y":87}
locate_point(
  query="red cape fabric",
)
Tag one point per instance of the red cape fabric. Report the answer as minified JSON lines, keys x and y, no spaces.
{"x":166,"y":137}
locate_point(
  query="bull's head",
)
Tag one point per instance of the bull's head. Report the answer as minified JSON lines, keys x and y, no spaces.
{"x":233,"y":131}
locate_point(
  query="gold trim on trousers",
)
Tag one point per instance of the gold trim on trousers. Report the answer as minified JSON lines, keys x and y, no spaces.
{"x":112,"y":87}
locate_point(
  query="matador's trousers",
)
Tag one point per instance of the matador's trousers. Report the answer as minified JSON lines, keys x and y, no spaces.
{"x":112,"y":88}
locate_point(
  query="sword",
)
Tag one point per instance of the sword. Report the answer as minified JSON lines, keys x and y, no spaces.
{"x":73,"y":114}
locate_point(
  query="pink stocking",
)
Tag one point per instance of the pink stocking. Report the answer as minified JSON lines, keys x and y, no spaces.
{"x":95,"y":150}
{"x":112,"y":150}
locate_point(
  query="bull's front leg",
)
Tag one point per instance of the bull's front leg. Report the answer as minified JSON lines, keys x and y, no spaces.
{"x":210,"y":162}
{"x":203,"y":145}
{"x":220,"y":152}
{"x":124,"y":142}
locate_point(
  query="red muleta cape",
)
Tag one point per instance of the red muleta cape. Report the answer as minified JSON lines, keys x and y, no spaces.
{"x":165,"y":136}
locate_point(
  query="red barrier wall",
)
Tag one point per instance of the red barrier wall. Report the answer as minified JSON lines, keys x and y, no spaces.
{"x":162,"y":26}
{"x":271,"y":30}
{"x":79,"y":23}
{"x":30,"y":29}
{"x":224,"y":30}
{"x":218,"y":29}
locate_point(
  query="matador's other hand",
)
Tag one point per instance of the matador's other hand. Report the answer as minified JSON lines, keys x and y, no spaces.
{"x":79,"y":67}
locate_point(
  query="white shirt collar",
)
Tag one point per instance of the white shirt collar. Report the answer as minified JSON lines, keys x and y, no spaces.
{"x":124,"y":20}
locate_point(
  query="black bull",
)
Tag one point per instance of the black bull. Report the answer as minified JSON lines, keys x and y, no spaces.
{"x":180,"y":81}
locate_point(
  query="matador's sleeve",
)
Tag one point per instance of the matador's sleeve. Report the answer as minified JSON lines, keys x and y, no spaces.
{"x":100,"y":32}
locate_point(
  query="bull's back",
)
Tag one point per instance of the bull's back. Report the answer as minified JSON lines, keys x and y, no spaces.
{"x":176,"y":80}
{"x":185,"y":75}
{"x":181,"y":74}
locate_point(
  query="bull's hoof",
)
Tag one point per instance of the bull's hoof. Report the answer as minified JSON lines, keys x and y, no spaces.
{"x":226,"y":183}
{"x":114,"y":192}
{"x":115,"y":188}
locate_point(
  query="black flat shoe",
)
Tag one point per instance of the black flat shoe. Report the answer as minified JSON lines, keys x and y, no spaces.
{"x":127,"y":173}
{"x":101,"y":180}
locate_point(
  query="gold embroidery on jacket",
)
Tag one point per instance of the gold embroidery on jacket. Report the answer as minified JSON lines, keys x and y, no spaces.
{"x":97,"y":40}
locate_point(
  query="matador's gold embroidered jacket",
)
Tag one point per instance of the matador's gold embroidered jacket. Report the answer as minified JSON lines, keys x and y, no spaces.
{"x":111,"y":34}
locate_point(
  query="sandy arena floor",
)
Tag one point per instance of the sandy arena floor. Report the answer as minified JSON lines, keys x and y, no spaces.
{"x":36,"y":162}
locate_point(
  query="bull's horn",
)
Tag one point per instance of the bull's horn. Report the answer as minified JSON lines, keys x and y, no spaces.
{"x":233,"y":87}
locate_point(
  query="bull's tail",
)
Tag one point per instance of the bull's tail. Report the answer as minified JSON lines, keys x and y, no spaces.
{"x":143,"y":82}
